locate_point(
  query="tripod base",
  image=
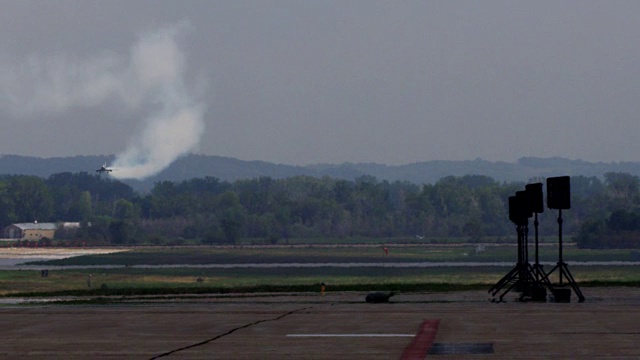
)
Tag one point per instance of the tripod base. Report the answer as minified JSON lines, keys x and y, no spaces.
{"x":534,"y":284}
{"x":561,"y":294}
{"x":522,"y":278}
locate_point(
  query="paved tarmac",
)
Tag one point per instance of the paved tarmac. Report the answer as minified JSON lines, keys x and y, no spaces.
{"x":334,"y":326}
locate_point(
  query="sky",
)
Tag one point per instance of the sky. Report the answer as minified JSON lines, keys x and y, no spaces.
{"x":307,"y":82}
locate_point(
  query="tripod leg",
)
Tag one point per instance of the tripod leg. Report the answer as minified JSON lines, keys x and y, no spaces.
{"x":572,"y":282}
{"x":509,"y":289}
{"x":551,"y":271}
{"x":505,"y":279}
{"x":542,"y":278}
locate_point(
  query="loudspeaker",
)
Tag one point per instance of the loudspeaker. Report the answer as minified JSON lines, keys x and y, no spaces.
{"x":519,"y":208}
{"x":559,"y":192}
{"x":523,"y":199}
{"x":515,"y":213}
{"x":536,"y":201}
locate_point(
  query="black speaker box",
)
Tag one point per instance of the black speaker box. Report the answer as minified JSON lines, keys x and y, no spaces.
{"x":536,"y":200}
{"x":519,"y":208}
{"x":523,"y":199}
{"x":562,"y":295}
{"x":514,"y":214}
{"x":559,"y":192}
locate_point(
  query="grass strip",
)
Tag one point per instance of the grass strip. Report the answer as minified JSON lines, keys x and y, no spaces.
{"x":406,"y":287}
{"x":137,"y":291}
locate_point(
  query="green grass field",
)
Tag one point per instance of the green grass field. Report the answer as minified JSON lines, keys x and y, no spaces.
{"x":340,"y":254}
{"x":184,"y":279}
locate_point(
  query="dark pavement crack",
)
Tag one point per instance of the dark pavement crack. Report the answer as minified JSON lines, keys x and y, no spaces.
{"x":227,"y":333}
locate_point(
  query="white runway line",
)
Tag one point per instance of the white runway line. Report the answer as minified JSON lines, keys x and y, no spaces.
{"x":351,"y":335}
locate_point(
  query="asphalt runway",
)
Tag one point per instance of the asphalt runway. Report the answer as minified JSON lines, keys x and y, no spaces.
{"x":461,"y":325}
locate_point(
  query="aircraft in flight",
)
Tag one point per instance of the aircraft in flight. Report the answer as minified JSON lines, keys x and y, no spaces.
{"x":104,"y":168}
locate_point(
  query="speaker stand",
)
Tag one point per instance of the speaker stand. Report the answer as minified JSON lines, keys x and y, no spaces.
{"x":561,"y":266}
{"x":521,"y":276}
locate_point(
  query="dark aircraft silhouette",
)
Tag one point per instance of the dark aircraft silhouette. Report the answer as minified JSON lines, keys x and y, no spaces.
{"x":104,"y":168}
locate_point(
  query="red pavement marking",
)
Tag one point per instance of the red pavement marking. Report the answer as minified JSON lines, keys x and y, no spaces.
{"x":418,"y":347}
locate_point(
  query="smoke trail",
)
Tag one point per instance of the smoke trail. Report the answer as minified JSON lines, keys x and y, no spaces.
{"x":151,"y":74}
{"x":168,"y":135}
{"x":175,"y":129}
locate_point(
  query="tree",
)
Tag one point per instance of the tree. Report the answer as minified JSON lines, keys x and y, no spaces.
{"x":624,"y":188}
{"x":123,"y":210}
{"x":82,"y":208}
{"x":622,"y":220}
{"x":7,"y":208}
{"x":97,"y":229}
{"x":121,"y":232}
{"x":232,"y":223}
{"x":30,"y":198}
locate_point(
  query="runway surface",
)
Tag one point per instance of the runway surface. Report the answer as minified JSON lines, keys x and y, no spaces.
{"x":334,"y":326}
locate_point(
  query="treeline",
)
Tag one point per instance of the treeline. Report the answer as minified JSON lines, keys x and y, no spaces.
{"x":209,"y":211}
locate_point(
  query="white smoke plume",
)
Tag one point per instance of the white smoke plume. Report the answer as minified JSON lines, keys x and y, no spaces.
{"x":152,"y":74}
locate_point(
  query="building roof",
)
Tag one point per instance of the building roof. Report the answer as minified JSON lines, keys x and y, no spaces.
{"x":36,"y":226}
{"x":70,"y":225}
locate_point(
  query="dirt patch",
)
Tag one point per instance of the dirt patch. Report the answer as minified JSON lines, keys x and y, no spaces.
{"x":10,"y":257}
{"x":53,"y":253}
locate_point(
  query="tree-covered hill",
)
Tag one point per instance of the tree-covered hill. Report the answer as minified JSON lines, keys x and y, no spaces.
{"x":230,"y":169}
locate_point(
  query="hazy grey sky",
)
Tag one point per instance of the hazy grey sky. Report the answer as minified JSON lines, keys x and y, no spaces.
{"x":301,"y":82}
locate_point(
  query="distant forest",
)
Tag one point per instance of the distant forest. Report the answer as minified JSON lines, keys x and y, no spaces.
{"x":474,"y":208}
{"x":229,"y":169}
